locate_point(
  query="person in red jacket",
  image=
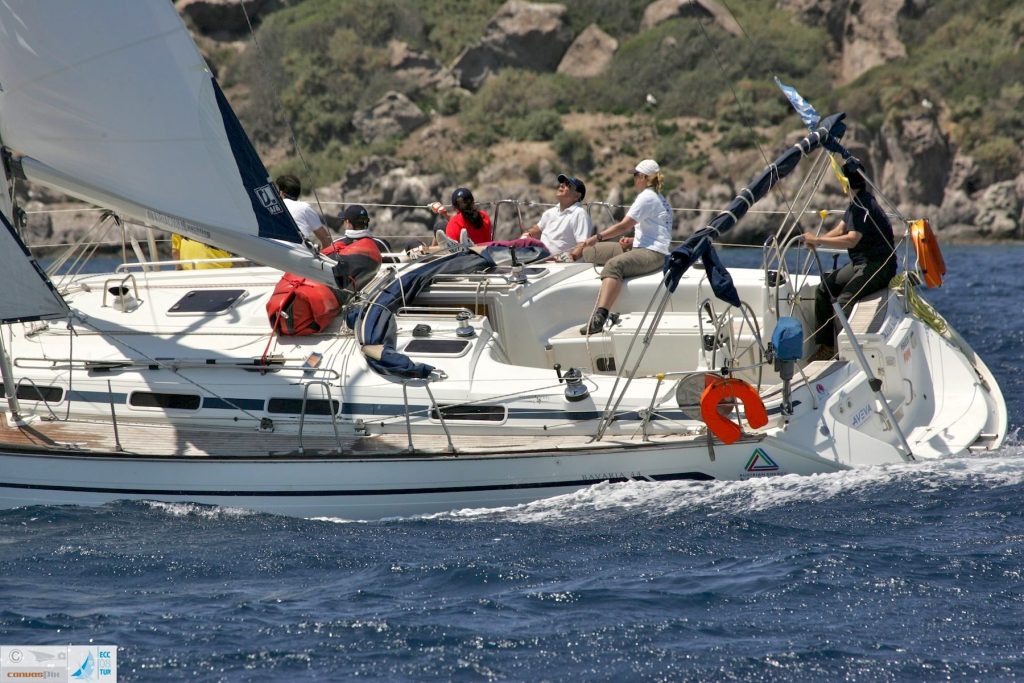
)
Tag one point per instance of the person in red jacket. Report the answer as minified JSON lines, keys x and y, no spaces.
{"x":468,"y":217}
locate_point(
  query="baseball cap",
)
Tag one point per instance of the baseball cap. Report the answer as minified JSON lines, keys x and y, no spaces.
{"x":648,"y":167}
{"x":574,"y":183}
{"x":355,"y":213}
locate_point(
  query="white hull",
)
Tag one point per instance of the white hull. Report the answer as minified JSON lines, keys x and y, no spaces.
{"x":944,"y":399}
{"x":371,"y":489}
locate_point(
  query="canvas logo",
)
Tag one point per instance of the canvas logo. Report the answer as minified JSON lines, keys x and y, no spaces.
{"x":268,"y":198}
{"x":760,"y":464}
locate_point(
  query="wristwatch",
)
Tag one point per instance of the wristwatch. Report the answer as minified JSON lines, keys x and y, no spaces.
{"x":598,"y":237}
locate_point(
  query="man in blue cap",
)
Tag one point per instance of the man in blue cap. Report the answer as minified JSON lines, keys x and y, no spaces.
{"x":357,"y":226}
{"x":562,"y":227}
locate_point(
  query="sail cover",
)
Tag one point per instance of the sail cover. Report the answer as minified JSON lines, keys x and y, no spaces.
{"x":27,"y":293}
{"x":828,"y":134}
{"x":111,"y":101}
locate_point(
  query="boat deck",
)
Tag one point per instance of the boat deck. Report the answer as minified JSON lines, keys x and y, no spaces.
{"x":155,"y":440}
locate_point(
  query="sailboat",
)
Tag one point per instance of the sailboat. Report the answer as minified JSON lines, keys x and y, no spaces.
{"x":456,"y":380}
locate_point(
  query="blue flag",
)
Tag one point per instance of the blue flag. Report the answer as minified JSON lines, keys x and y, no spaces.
{"x":807,"y":113}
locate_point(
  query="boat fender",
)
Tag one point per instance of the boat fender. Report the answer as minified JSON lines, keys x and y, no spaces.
{"x":929,"y":256}
{"x":731,"y":388}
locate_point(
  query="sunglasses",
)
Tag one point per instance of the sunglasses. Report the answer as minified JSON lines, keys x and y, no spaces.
{"x":637,"y":174}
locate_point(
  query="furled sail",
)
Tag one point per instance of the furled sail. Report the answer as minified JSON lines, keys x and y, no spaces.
{"x":829,"y":132}
{"x":27,"y":293}
{"x":111,"y":102}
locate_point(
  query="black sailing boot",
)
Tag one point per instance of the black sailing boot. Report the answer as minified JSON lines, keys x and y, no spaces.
{"x":596,"y":323}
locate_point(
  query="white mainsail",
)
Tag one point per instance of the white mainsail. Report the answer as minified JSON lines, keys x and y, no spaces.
{"x":110,"y":101}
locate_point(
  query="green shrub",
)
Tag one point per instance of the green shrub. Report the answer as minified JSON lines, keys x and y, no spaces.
{"x":998,"y":158}
{"x":538,"y":125}
{"x":574,"y":150}
{"x":738,"y":137}
{"x":517,"y":104}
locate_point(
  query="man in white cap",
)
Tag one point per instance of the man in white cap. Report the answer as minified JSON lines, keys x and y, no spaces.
{"x":562,"y":227}
{"x":650,"y":218}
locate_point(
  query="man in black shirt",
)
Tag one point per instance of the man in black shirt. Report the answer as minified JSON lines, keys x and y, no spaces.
{"x":866,"y":234}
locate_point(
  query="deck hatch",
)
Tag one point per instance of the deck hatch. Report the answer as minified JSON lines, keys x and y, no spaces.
{"x":207,"y":301}
{"x":437,"y":346}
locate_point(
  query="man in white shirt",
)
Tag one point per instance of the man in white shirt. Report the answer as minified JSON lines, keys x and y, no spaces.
{"x":308,"y":220}
{"x":562,"y":227}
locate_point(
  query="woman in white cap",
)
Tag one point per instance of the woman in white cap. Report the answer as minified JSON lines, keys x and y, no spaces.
{"x":650,"y":217}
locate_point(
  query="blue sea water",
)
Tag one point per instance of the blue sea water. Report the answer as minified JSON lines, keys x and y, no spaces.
{"x":900,"y":573}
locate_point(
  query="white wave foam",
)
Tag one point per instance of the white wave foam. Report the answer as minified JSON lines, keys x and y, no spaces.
{"x":1006,"y":468}
{"x":196,"y":510}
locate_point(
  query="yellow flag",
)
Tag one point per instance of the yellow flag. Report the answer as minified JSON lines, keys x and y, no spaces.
{"x":844,"y":182}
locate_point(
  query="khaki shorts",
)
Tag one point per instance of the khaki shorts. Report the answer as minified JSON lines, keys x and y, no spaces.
{"x":601,"y":253}
{"x":633,"y":263}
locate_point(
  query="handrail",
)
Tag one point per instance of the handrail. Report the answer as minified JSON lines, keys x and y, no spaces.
{"x":122,"y":296}
{"x":429,"y":310}
{"x":497,"y":207}
{"x":142,"y":265}
{"x":470,"y":277}
{"x":41,"y":363}
{"x":605,"y":205}
{"x":330,"y":407}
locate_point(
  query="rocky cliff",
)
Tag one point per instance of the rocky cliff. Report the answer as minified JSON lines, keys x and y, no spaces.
{"x":417,"y":149}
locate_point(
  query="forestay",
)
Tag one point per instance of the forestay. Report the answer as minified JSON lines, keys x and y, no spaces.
{"x":111,"y":102}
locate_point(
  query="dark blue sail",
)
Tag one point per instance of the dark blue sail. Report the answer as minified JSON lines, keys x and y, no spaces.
{"x":274,"y":220}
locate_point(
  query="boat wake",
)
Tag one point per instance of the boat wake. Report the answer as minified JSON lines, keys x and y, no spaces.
{"x":1002,"y":469}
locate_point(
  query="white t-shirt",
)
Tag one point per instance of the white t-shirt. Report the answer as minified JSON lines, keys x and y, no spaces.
{"x":653,"y":217}
{"x":560,"y":230}
{"x":305,"y":217}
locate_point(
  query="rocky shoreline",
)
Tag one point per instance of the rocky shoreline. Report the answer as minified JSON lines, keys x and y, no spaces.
{"x":913,"y":159}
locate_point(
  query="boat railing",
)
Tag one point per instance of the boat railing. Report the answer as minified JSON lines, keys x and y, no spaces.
{"x":513,"y":202}
{"x":148,"y":265}
{"x":274,"y":365}
{"x":330,"y":406}
{"x":434,"y":409}
{"x":607,"y":206}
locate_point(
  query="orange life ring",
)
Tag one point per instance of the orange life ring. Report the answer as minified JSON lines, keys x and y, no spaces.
{"x":730,"y":387}
{"x":929,"y":256}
